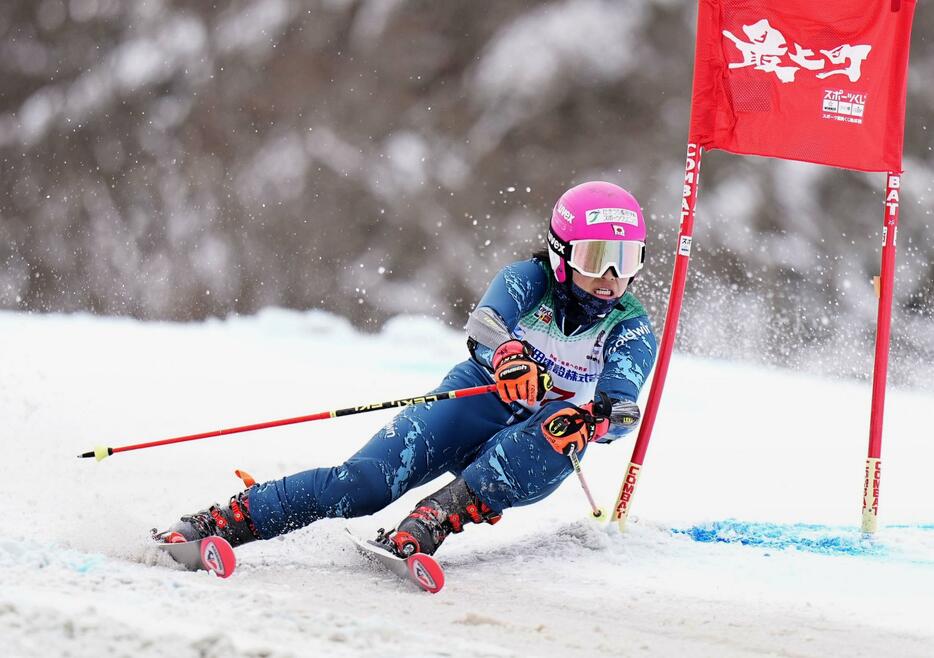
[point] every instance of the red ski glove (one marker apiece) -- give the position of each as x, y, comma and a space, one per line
574, 427
518, 376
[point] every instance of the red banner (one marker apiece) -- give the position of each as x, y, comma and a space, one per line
819, 81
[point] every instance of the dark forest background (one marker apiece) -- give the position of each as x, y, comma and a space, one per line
170, 159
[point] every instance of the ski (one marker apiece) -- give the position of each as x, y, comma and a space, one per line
419, 569
212, 554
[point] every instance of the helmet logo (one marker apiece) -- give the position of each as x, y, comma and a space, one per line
619, 230
615, 215
564, 212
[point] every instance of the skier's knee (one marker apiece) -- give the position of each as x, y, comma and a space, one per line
366, 486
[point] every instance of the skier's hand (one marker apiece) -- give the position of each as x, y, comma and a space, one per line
518, 376
573, 428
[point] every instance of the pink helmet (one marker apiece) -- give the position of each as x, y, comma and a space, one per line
596, 226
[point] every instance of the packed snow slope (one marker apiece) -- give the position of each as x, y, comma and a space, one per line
745, 540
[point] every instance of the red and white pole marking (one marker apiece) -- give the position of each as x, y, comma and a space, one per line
675, 299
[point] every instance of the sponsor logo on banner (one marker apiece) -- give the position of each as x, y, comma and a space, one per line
766, 49
615, 215
841, 105
564, 212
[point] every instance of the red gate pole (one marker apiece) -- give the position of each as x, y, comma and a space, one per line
676, 296
880, 369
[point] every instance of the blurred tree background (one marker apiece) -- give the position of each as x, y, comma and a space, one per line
177, 159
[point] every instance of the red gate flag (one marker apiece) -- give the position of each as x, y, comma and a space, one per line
818, 81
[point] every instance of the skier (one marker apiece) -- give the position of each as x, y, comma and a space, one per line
568, 347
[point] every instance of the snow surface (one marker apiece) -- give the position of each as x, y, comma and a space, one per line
745, 543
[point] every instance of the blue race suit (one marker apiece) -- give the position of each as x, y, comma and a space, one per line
497, 448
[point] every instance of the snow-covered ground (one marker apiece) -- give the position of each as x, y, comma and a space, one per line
745, 540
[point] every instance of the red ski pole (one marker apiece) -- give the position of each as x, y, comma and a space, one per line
102, 452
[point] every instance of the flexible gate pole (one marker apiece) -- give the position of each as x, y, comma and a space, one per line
880, 369
685, 236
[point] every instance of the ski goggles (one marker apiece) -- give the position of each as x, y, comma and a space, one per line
594, 257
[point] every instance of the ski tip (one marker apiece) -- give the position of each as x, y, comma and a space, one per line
426, 572
218, 557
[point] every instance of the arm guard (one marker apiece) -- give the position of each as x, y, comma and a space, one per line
485, 329
624, 415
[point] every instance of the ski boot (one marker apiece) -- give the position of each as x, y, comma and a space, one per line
231, 522
434, 518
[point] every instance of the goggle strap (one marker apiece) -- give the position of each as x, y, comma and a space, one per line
559, 246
